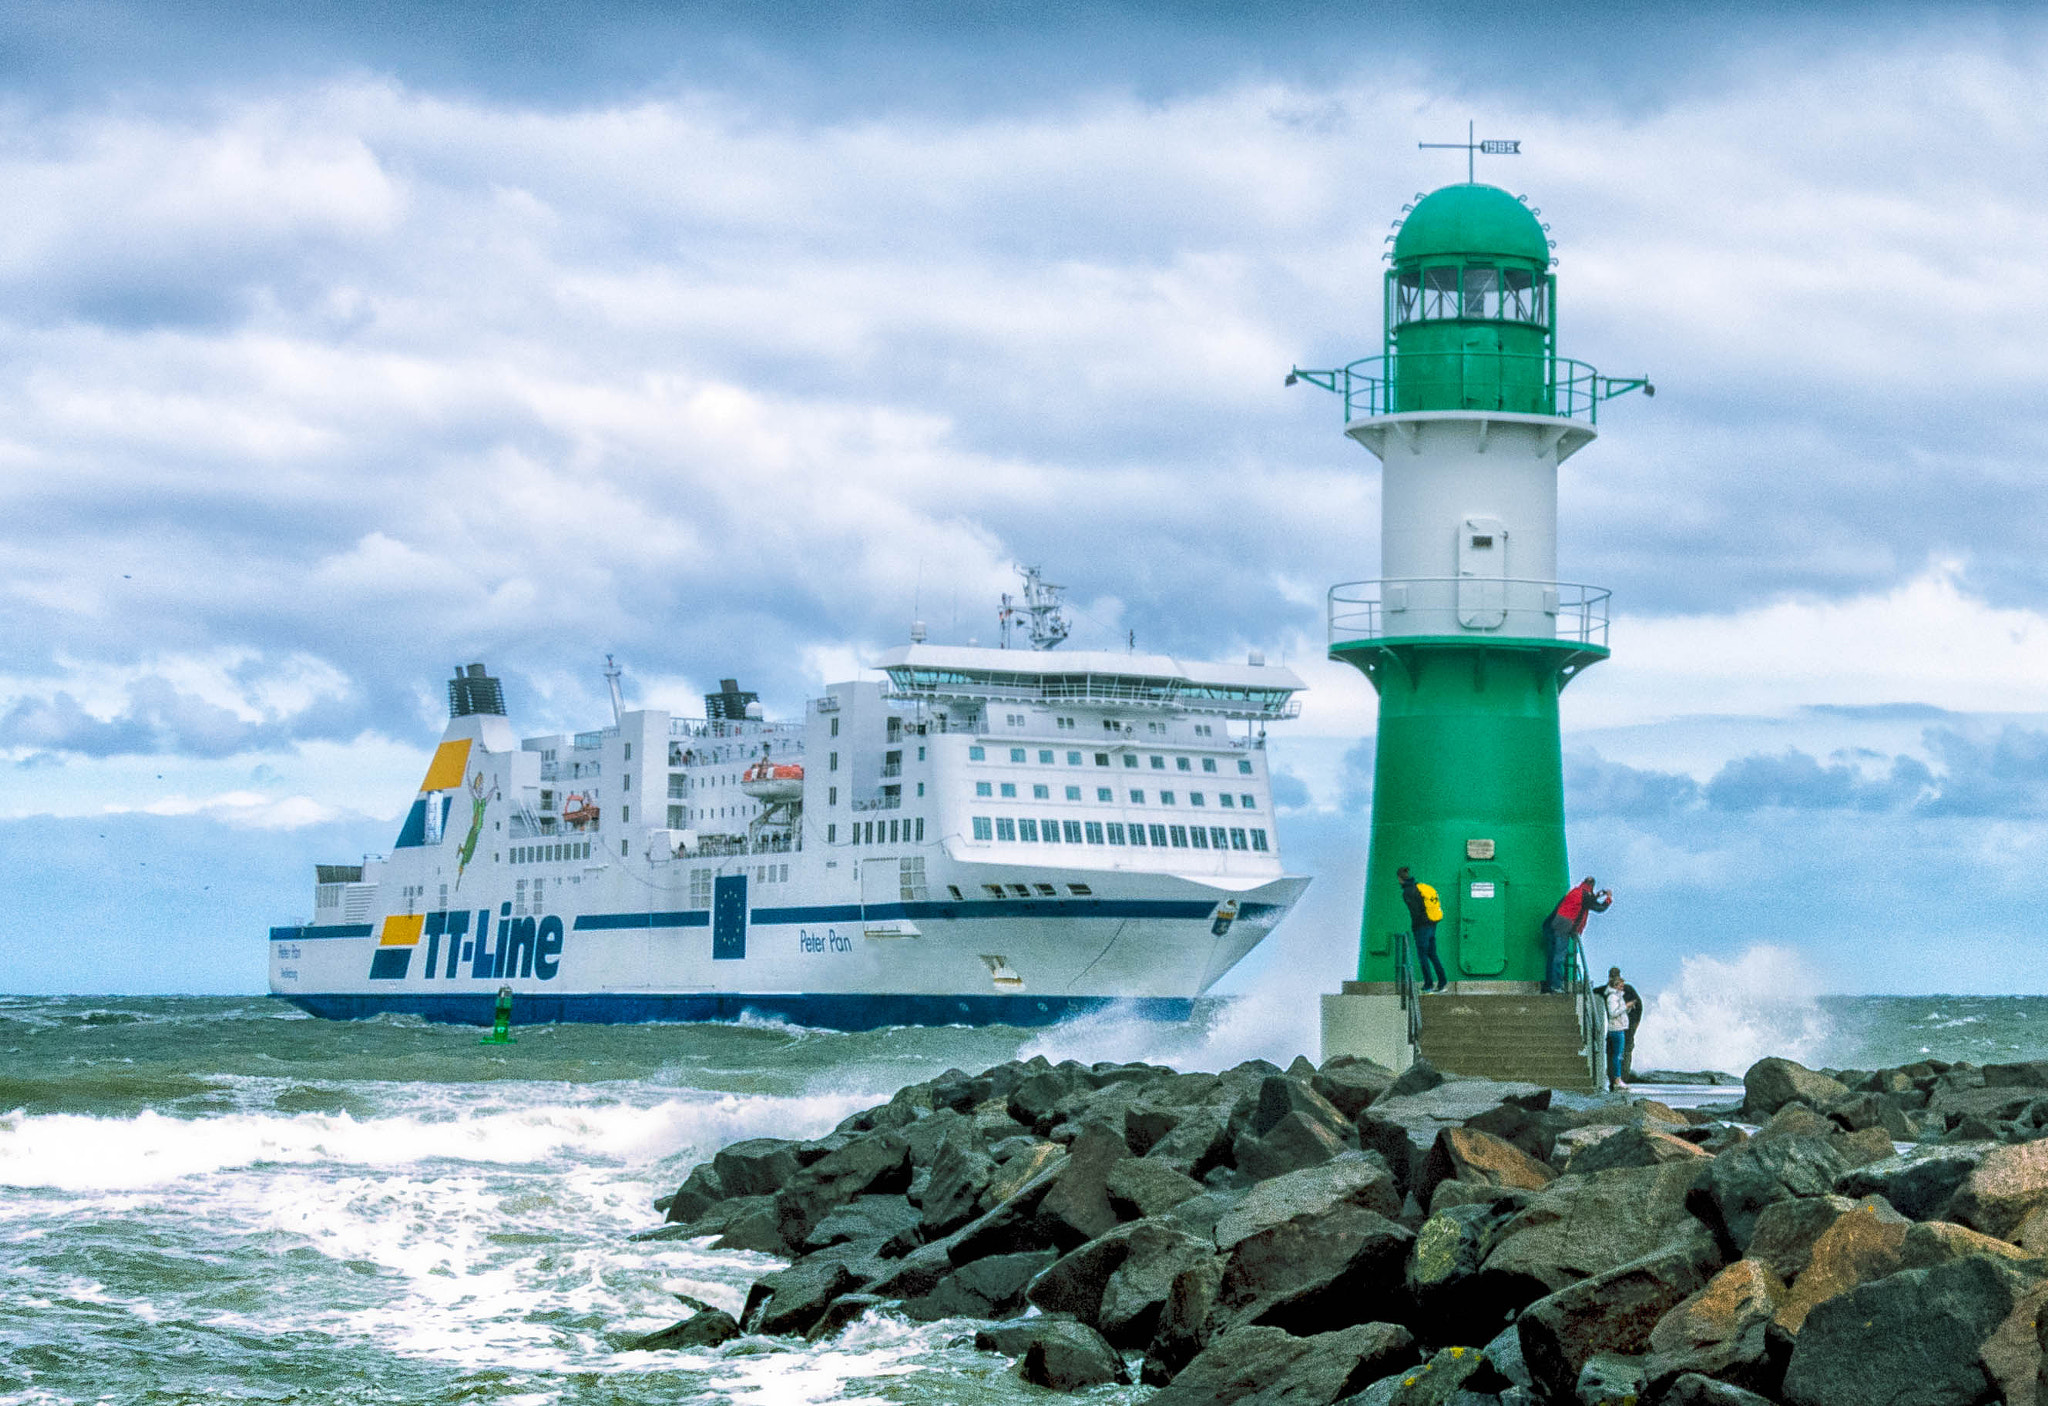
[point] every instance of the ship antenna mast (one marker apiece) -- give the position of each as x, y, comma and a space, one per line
1040, 613
612, 674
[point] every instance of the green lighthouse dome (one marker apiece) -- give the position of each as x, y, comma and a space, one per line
1471, 220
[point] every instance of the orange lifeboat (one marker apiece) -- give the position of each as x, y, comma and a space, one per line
773, 781
578, 811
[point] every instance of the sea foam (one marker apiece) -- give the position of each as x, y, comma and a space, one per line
1728, 1014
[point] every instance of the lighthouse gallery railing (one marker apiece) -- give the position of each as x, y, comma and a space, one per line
1359, 610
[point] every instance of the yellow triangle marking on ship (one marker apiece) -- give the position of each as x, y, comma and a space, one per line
402, 930
444, 773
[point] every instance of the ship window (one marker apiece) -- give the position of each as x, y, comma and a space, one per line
1079, 890
992, 890
893, 833
832, 759
1009, 790
1130, 759
982, 829
1159, 764
835, 727
1073, 829
1166, 798
1182, 764
1073, 759
1073, 793
1216, 838
974, 754
1019, 891
1237, 839
1116, 833
1200, 836
953, 889
1046, 891
1159, 837
1195, 798
1016, 754
1006, 828
1244, 768
1045, 756
1104, 794
1209, 765
1137, 798
1137, 834
1041, 793
1027, 829
984, 788
1094, 830
831, 795
920, 828
831, 834
629, 751
1050, 832
1102, 759
1226, 800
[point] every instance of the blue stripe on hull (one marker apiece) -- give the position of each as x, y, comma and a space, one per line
848, 1011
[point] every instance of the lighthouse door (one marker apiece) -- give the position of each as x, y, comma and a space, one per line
1482, 920
1482, 573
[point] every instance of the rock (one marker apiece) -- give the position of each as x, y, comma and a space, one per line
2033, 1074
960, 1178
876, 1163
1915, 1338
1692, 1389
1609, 1379
1506, 1200
1419, 1077
1864, 1146
1995, 1105
1184, 1321
1032, 1102
1139, 1187
1018, 1162
1504, 1354
1929, 1243
1013, 1225
1611, 1312
759, 1166
1281, 1095
1442, 1275
1535, 1132
1076, 1283
1199, 1141
1453, 1374
1572, 1141
1723, 1332
896, 1113
1070, 1357
2001, 1189
1076, 1209
1391, 1141
1346, 1267
1198, 1214
1356, 1179
1136, 1293
700, 1191
701, 1330
1919, 1182
791, 1301
1581, 1226
1266, 1367
1351, 1084
757, 1227
863, 1218
1297, 1141
918, 1272
1469, 1155
1786, 1232
1770, 1084
1736, 1186
842, 1313
1450, 1104
1795, 1119
1869, 1110
1860, 1246
992, 1287
1636, 1147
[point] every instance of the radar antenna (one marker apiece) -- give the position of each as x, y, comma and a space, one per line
1039, 614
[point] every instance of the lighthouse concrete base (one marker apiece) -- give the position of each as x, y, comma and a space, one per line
1367, 1023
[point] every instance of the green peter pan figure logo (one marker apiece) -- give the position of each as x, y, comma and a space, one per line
477, 801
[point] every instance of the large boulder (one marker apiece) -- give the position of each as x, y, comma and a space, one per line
1736, 1186
1078, 1284
1281, 1096
873, 1164
1772, 1083
1135, 1295
1636, 1147
1442, 1276
1070, 1357
792, 1300
1453, 1374
875, 1218
1298, 1140
758, 1166
1915, 1338
1267, 1367
1611, 1312
1862, 1245
1076, 1209
961, 1172
1327, 1295
1012, 1224
841, 1313
985, 1288
1997, 1194
1139, 1187
1184, 1321
1468, 1155
701, 1330
700, 1191
1534, 1130
1918, 1182
1871, 1110
1692, 1389
1581, 1226
1198, 1142
1351, 1084
1786, 1232
1354, 1179
1723, 1331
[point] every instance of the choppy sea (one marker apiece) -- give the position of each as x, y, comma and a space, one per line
225, 1200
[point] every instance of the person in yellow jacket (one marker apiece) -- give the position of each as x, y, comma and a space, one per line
1425, 911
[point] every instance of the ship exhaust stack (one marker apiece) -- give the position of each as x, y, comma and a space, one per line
1468, 637
473, 691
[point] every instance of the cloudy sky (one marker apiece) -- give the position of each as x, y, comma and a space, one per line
343, 343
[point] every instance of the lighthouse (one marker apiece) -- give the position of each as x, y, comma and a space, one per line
1469, 638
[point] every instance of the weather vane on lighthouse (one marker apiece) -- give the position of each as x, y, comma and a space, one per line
1492, 146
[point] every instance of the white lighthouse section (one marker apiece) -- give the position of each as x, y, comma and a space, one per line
1468, 526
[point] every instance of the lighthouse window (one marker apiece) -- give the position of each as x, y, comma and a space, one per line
1027, 829
1440, 291
1407, 296
1259, 841
1521, 295
1482, 291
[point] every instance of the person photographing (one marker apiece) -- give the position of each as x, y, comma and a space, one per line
1425, 911
1567, 921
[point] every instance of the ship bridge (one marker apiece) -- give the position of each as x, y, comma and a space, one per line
1250, 691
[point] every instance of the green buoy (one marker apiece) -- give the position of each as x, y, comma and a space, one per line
501, 1020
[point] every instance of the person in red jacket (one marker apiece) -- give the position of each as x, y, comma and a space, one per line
1566, 921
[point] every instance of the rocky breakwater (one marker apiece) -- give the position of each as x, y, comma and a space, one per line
1316, 1235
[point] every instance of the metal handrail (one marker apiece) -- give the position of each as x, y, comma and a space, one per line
1357, 609
1582, 993
1454, 380
1404, 983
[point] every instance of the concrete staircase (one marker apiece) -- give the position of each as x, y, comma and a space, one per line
1528, 1037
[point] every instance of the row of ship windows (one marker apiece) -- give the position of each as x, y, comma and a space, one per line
544, 854
1108, 725
879, 832
1106, 796
1046, 757
1024, 891
1095, 832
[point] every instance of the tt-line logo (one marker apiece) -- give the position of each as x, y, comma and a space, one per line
524, 947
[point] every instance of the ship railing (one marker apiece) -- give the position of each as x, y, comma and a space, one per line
1089, 687
880, 803
892, 769
1371, 610
737, 730
1515, 383
587, 740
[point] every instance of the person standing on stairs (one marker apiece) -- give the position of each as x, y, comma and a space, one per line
1566, 921
1615, 995
1634, 1001
1425, 911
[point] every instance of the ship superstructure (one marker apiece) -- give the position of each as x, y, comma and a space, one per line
982, 835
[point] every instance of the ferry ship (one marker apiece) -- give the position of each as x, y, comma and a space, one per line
985, 835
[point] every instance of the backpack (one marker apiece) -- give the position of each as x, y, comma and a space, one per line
1432, 907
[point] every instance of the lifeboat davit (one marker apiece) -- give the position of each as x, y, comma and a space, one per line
773, 781
578, 811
